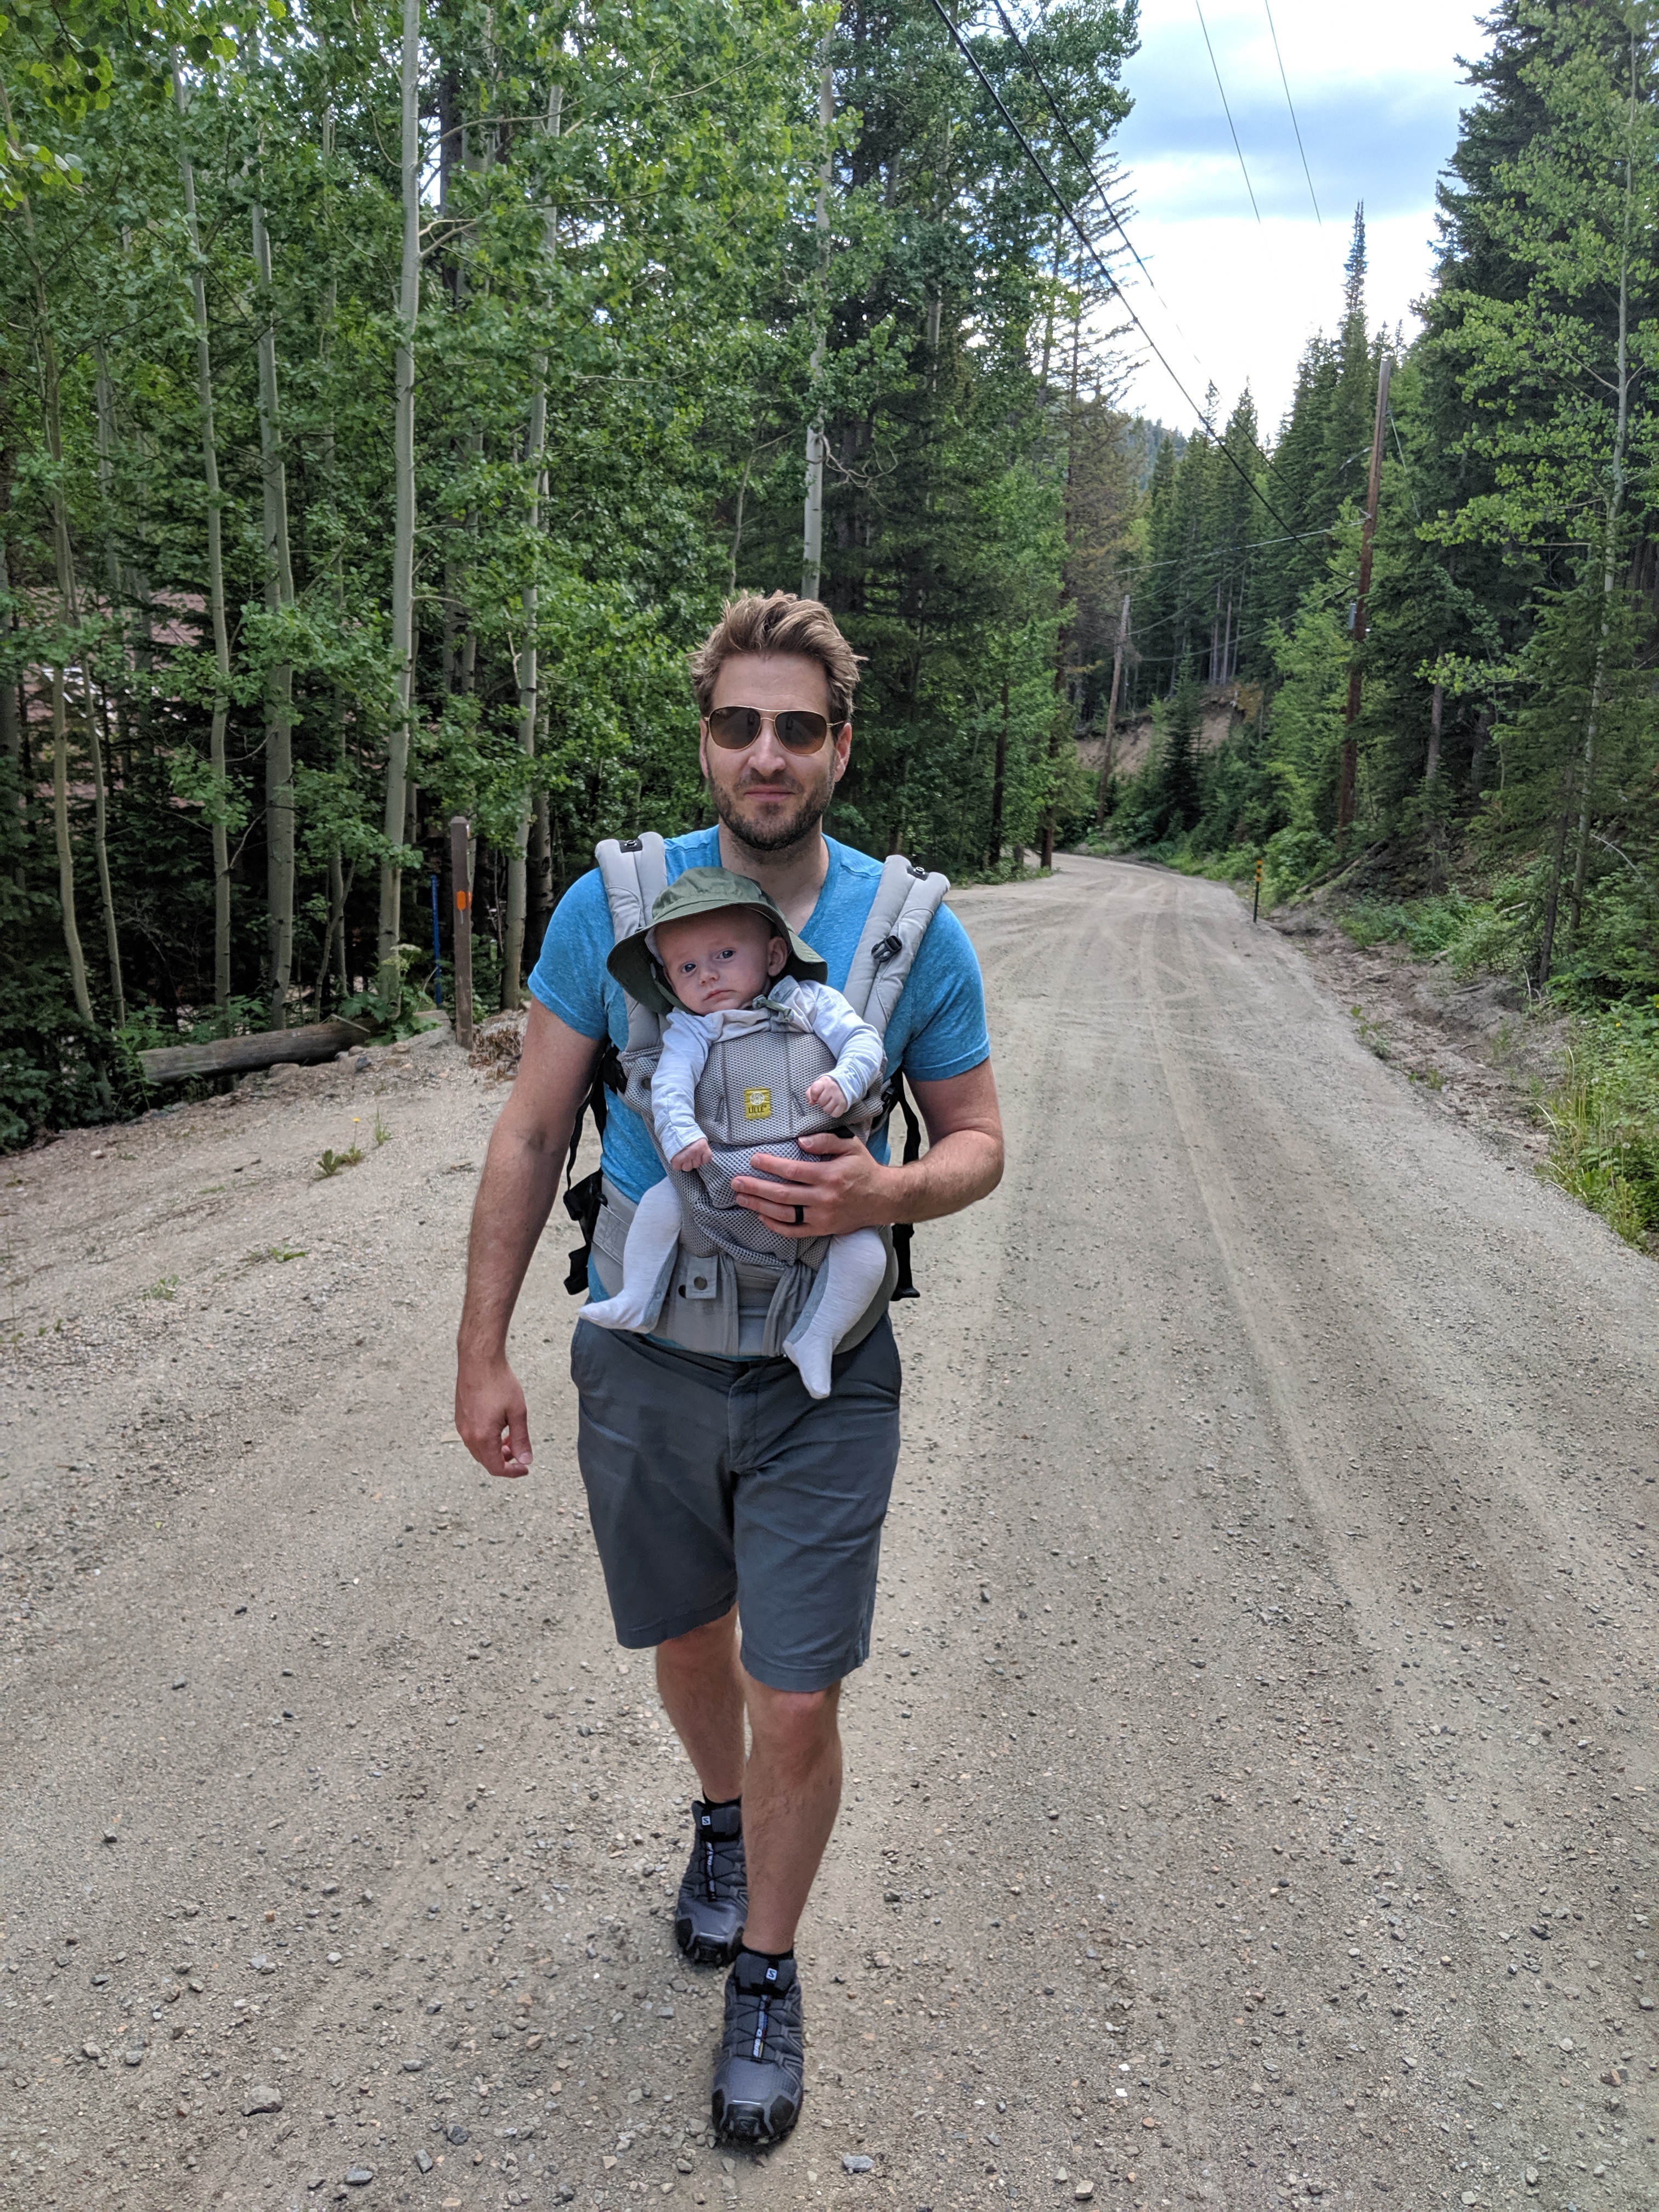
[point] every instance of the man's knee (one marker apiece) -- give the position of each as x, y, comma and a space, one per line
792, 1724
698, 1647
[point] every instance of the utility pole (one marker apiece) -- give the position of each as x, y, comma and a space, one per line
812, 565
1350, 744
1111, 716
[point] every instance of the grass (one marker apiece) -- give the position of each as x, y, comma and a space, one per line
331, 1161
166, 1290
1371, 1033
1603, 1120
276, 1252
1472, 936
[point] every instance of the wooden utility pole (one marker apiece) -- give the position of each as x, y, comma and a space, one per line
460, 876
1111, 716
1345, 796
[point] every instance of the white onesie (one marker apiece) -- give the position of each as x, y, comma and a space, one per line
854, 1263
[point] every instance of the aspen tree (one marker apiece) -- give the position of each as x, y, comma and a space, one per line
535, 458
216, 575
403, 556
279, 600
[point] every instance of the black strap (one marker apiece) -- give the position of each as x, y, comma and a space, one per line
582, 1200
896, 1096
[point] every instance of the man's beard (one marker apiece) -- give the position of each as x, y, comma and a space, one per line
778, 835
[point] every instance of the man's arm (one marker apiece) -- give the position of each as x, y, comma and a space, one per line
516, 1192
842, 1187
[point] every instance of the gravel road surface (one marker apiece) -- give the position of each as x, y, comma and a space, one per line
1251, 1793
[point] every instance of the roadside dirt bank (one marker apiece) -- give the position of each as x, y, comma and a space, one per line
1251, 1793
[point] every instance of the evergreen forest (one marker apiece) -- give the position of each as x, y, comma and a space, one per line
390, 396
1467, 752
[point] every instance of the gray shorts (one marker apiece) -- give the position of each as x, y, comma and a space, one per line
715, 1481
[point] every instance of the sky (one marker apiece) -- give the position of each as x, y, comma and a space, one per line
1377, 92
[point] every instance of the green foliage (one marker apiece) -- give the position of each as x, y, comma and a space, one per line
1433, 928
1603, 1119
621, 249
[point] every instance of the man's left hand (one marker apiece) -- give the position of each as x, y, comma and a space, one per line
841, 1187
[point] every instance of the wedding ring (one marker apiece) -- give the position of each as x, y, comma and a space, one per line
801, 1217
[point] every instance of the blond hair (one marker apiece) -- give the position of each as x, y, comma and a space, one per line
778, 622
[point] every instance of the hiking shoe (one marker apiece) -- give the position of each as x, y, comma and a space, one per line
760, 2080
714, 1898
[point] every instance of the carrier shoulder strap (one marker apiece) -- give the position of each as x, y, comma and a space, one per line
907, 899
634, 873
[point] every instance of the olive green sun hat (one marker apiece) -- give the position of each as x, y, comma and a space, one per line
703, 890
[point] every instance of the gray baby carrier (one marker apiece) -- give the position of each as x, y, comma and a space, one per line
750, 1095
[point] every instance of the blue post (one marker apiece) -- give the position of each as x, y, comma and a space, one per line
437, 951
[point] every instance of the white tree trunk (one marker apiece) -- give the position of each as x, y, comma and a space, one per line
403, 550
811, 569
279, 689
216, 581
529, 663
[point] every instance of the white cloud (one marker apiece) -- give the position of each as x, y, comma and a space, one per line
1377, 94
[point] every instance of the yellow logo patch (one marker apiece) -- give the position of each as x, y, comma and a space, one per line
758, 1105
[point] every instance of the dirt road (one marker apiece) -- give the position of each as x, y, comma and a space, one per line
1251, 1792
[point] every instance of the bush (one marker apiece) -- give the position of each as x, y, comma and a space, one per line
1448, 926
1296, 856
1604, 1122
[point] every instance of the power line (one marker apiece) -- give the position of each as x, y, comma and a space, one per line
1111, 213
1248, 545
1290, 104
1227, 112
1024, 55
1090, 249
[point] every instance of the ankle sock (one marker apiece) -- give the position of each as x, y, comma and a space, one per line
770, 1957
720, 1804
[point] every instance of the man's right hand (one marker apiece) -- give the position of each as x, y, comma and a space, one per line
492, 1417
516, 1192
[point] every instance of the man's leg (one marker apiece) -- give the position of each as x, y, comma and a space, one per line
701, 1687
790, 1800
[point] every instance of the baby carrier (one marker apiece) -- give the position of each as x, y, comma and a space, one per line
750, 1094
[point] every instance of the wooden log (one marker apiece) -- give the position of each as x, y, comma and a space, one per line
169, 1063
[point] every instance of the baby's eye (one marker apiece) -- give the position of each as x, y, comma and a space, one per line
688, 967
726, 952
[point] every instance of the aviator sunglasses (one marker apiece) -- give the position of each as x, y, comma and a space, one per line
797, 730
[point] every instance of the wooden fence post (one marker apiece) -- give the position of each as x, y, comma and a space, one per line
461, 870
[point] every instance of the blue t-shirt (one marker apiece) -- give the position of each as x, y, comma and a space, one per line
937, 1029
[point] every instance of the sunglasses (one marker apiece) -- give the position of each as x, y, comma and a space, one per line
796, 730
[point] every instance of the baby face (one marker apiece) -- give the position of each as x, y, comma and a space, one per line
714, 962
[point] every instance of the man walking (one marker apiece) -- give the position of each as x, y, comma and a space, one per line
717, 1487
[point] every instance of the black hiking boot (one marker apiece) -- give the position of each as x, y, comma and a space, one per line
760, 2079
714, 1898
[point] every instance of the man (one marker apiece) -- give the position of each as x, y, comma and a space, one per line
719, 1487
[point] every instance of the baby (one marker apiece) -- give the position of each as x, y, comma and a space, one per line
725, 966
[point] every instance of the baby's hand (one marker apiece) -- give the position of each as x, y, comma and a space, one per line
694, 1156
826, 1094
